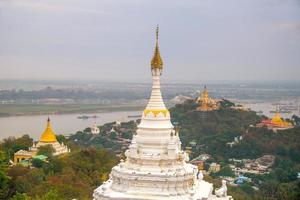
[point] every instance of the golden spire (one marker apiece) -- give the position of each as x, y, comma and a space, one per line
48, 135
156, 62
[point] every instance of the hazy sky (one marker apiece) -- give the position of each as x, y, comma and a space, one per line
200, 40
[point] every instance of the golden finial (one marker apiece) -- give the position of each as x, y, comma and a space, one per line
156, 62
157, 30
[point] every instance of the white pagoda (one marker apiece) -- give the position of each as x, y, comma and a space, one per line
94, 129
156, 167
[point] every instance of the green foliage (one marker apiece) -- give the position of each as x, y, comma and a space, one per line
37, 163
225, 171
27, 182
247, 188
127, 135
46, 150
87, 130
51, 195
275, 190
113, 136
11, 145
4, 180
19, 196
53, 166
296, 120
226, 103
61, 138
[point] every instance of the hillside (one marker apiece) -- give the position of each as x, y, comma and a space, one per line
209, 133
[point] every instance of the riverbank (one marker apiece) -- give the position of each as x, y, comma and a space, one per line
9, 110
64, 124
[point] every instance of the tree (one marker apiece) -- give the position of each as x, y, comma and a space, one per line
4, 180
46, 150
287, 191
19, 196
61, 138
268, 190
226, 103
113, 135
296, 120
27, 182
54, 165
87, 130
51, 195
225, 171
37, 163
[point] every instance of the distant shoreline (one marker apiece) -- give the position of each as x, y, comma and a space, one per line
13, 110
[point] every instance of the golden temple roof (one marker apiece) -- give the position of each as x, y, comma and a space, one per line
156, 62
279, 122
277, 118
48, 135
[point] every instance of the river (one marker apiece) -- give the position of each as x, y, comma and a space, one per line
67, 124
64, 124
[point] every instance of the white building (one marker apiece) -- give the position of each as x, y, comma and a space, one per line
156, 167
94, 129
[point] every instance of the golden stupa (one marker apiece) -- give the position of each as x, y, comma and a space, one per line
277, 120
156, 62
206, 103
48, 135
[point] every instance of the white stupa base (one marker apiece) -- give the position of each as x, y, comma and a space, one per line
201, 191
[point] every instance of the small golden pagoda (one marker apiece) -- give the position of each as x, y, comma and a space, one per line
206, 103
48, 135
48, 138
276, 123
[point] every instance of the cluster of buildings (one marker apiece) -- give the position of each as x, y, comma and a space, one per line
117, 130
260, 165
48, 137
276, 123
202, 160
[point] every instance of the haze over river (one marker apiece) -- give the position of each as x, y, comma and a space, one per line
64, 124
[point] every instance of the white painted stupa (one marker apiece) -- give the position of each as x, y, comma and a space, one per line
156, 167
94, 129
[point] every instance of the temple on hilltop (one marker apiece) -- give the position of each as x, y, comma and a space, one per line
95, 129
276, 123
206, 103
155, 167
48, 138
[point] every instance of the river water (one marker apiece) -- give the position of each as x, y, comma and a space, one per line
64, 124
67, 124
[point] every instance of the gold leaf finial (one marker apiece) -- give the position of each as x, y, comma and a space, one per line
156, 62
157, 31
